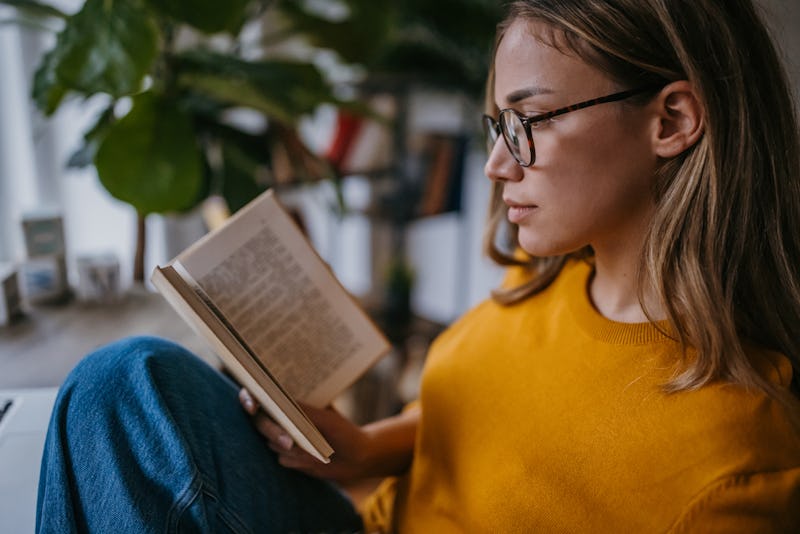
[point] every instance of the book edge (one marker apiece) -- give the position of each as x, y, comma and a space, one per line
321, 449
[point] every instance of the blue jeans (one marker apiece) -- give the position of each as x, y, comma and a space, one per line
145, 437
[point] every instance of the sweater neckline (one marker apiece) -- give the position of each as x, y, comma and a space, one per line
599, 327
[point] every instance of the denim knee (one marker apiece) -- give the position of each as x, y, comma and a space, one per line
146, 434
114, 368
116, 359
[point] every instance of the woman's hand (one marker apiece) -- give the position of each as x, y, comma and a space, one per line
347, 439
379, 449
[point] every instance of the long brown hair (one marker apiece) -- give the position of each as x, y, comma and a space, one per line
723, 248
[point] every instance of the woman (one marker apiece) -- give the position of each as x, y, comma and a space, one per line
635, 373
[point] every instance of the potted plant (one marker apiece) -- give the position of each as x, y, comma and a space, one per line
172, 71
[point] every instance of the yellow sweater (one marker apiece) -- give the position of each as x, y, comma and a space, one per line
546, 417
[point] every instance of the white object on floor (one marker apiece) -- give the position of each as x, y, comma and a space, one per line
25, 414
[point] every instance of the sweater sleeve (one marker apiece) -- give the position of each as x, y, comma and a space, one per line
759, 502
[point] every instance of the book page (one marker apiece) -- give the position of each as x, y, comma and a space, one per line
262, 275
184, 298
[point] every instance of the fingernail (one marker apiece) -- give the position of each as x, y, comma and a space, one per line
285, 442
246, 400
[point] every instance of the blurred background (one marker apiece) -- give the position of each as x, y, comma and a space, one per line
350, 108
128, 129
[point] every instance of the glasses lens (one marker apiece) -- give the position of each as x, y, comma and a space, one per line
516, 137
492, 131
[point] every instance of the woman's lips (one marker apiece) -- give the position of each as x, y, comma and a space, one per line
517, 212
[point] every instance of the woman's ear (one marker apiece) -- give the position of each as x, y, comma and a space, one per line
681, 119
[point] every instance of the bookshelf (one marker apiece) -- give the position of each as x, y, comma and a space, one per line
413, 166
409, 171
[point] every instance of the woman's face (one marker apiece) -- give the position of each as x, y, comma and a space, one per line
591, 181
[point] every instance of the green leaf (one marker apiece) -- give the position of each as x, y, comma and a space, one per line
210, 16
239, 175
447, 42
150, 158
243, 170
107, 47
359, 38
84, 156
48, 91
281, 89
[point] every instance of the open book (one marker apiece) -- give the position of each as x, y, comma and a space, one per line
275, 314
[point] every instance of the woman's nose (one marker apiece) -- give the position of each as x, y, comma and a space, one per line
501, 165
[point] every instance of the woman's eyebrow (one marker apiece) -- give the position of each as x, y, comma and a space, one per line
522, 94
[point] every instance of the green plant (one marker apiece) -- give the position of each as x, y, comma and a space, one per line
445, 43
178, 68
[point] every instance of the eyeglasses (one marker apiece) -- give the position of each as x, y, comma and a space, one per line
516, 128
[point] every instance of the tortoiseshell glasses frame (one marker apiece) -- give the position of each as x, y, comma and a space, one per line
511, 124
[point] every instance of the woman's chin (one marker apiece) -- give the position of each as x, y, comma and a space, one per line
535, 244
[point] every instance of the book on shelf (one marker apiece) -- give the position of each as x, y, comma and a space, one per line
363, 145
443, 169
284, 327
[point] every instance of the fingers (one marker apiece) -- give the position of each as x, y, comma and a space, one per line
282, 444
264, 424
296, 458
247, 401
273, 432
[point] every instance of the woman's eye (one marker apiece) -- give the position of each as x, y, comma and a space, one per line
538, 125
